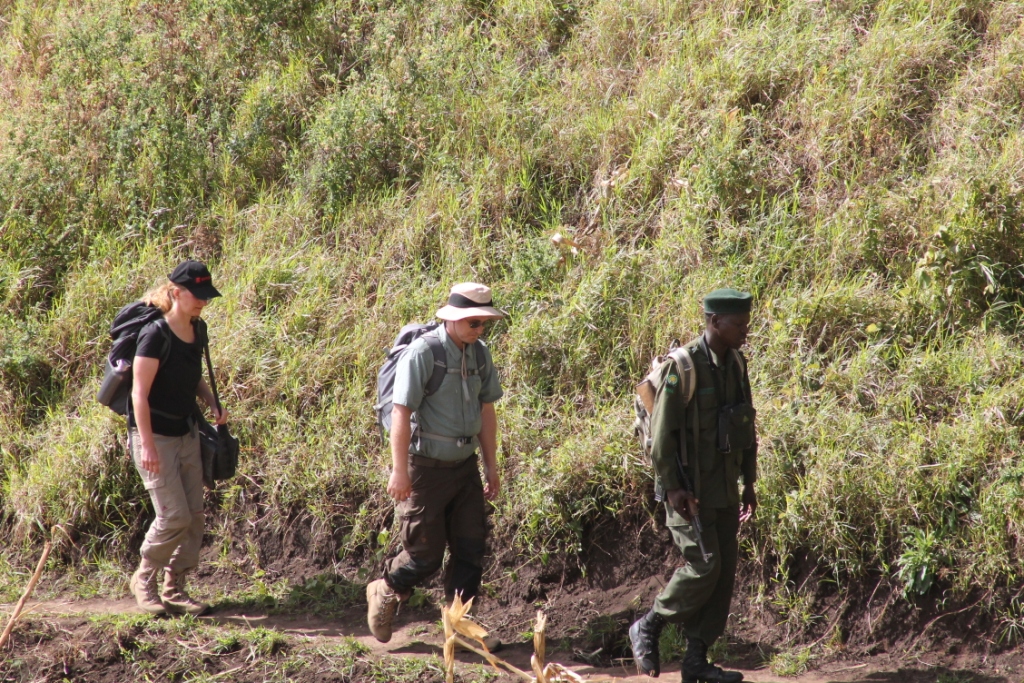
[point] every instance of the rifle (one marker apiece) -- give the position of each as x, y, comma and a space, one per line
659, 495
698, 528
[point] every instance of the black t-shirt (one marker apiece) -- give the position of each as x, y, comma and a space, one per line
174, 387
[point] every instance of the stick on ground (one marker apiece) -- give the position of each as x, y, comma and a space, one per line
24, 598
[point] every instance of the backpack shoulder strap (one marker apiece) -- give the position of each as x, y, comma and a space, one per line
165, 332
440, 363
687, 371
481, 356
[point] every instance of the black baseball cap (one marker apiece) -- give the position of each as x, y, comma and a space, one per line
196, 278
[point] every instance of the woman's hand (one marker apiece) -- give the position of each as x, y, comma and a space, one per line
150, 460
220, 416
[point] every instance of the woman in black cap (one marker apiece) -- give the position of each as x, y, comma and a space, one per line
167, 377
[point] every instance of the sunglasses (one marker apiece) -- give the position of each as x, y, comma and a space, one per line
474, 324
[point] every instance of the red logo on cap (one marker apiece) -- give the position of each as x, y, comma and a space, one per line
200, 278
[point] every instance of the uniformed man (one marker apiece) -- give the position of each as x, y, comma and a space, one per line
435, 478
714, 434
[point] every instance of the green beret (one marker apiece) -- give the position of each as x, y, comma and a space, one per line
725, 301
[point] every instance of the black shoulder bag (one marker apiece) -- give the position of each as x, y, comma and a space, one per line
219, 448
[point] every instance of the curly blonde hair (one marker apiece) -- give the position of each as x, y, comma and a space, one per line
160, 296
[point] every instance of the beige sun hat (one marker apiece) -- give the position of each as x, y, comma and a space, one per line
470, 300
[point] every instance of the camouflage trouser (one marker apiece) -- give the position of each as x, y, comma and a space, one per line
445, 509
175, 536
699, 592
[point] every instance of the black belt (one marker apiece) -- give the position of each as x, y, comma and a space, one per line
421, 461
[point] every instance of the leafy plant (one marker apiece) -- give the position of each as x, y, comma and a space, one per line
920, 561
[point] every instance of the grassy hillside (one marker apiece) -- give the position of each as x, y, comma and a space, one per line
859, 166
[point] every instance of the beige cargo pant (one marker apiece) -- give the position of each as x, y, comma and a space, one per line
176, 535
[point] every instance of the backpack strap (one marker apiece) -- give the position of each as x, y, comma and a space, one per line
688, 371
165, 352
441, 369
440, 363
165, 329
457, 440
684, 363
478, 353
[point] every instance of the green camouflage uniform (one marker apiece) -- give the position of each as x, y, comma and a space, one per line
699, 592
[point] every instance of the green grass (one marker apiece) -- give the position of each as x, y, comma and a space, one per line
791, 663
141, 647
340, 164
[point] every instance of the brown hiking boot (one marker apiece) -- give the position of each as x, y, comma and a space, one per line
381, 604
176, 600
143, 587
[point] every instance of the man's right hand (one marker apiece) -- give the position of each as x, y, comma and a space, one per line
684, 502
399, 485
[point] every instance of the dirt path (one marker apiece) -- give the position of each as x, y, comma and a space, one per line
417, 634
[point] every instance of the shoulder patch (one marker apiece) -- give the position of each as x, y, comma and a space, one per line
672, 380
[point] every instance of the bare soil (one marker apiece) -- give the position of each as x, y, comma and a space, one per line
68, 648
866, 633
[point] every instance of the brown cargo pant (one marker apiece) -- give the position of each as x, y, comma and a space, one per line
446, 508
176, 535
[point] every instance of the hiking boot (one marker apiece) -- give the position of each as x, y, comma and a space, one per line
174, 597
643, 638
381, 604
143, 587
697, 669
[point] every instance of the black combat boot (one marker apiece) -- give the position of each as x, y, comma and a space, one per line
697, 669
643, 638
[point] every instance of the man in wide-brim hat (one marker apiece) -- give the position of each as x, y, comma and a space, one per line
435, 478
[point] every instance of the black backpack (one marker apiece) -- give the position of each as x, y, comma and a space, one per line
116, 390
386, 375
